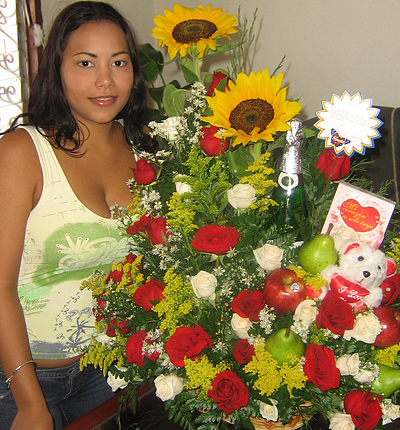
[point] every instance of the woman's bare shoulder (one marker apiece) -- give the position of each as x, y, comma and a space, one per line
17, 143
19, 162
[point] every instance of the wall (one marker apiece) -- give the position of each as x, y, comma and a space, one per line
330, 46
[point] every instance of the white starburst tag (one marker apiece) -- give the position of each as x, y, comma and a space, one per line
348, 124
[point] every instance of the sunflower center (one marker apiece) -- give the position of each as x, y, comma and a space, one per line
251, 113
192, 30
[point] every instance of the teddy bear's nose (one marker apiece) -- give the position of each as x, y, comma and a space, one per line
366, 274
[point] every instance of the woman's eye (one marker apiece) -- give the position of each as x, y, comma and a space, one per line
85, 63
119, 63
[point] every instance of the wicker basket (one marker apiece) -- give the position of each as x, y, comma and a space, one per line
261, 424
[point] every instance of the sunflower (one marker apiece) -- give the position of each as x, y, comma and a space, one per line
183, 27
254, 108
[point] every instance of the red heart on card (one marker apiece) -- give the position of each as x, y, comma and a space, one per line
359, 218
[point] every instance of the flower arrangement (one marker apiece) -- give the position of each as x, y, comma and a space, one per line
188, 307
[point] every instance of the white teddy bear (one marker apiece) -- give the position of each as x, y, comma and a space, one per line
358, 275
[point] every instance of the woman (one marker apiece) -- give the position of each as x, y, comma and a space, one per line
59, 176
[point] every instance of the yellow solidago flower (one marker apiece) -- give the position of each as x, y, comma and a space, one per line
395, 252
96, 283
387, 355
260, 182
176, 302
316, 282
200, 374
183, 27
293, 375
265, 367
253, 109
181, 215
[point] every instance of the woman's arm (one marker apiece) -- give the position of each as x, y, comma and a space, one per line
20, 185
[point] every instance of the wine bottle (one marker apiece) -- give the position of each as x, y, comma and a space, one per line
289, 193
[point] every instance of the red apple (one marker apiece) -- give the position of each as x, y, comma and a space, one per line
389, 317
284, 290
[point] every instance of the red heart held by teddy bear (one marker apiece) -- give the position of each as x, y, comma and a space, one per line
360, 218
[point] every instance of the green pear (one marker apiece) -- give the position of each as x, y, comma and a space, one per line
284, 342
317, 254
387, 382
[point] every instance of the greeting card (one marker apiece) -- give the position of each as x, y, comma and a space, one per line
365, 212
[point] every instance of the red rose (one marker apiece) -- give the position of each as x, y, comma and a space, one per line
144, 174
248, 304
215, 239
98, 310
115, 275
211, 144
157, 230
151, 291
320, 367
364, 409
187, 342
130, 258
334, 166
153, 228
243, 351
134, 349
122, 327
335, 314
217, 78
229, 392
139, 226
391, 289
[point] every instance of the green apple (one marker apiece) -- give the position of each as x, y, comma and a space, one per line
387, 382
284, 342
317, 254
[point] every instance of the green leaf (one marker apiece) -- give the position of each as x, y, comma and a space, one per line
151, 61
239, 160
174, 100
156, 93
187, 70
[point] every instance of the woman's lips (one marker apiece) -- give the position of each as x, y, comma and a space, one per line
103, 101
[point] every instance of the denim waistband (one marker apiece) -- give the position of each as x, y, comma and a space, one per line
55, 371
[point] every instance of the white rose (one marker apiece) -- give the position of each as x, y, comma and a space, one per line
343, 234
240, 326
366, 328
390, 411
204, 285
306, 312
169, 127
241, 196
348, 364
341, 421
116, 382
104, 339
269, 256
366, 376
269, 412
182, 187
168, 386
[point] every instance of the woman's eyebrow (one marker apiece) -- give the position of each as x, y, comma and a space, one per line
90, 54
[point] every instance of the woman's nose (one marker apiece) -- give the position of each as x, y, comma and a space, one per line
104, 78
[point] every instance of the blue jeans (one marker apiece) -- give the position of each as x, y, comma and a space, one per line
69, 394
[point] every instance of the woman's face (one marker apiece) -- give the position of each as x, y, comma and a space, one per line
97, 72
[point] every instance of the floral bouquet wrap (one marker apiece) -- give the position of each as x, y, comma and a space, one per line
189, 308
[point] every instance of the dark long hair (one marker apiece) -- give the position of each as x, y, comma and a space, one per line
48, 107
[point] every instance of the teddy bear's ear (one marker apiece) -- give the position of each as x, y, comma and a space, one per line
391, 267
352, 246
